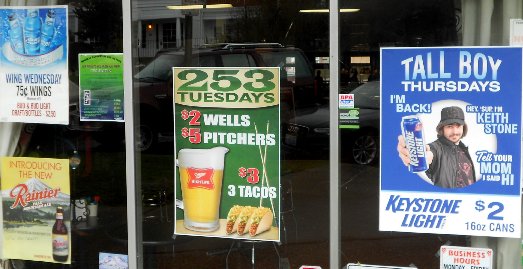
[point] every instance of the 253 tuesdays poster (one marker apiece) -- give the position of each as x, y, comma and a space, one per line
227, 150
460, 110
32, 191
33, 65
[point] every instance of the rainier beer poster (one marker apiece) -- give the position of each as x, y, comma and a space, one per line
32, 190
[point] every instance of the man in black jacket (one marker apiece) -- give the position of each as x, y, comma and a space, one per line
450, 164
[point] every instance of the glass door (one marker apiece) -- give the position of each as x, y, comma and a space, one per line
233, 94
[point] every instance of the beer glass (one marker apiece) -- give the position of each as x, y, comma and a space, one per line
201, 175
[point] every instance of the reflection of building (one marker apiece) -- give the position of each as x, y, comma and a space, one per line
159, 27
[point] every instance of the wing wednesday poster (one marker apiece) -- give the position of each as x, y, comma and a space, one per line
34, 65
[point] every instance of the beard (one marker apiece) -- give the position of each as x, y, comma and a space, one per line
454, 138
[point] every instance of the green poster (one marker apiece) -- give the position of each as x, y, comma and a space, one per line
349, 118
227, 151
101, 87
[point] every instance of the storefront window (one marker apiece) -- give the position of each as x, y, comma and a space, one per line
425, 23
363, 42
221, 154
74, 160
271, 172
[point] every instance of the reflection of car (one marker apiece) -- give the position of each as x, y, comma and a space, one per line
309, 133
154, 81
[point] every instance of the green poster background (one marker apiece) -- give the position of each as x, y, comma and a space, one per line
101, 87
239, 156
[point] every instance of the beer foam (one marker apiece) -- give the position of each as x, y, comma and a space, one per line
202, 158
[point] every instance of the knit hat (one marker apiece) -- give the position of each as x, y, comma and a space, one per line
451, 115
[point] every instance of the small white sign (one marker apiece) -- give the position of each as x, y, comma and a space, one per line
465, 258
516, 32
346, 100
113, 261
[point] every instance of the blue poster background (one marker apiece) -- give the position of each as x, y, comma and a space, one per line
487, 84
59, 34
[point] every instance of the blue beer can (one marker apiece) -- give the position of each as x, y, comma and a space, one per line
412, 130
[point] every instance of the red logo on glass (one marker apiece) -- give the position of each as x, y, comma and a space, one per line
200, 178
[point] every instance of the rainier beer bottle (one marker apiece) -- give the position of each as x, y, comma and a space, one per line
60, 237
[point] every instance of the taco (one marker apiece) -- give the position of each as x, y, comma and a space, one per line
233, 215
260, 221
244, 216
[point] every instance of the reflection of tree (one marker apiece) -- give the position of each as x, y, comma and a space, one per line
312, 31
267, 22
100, 24
430, 22
389, 23
281, 22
